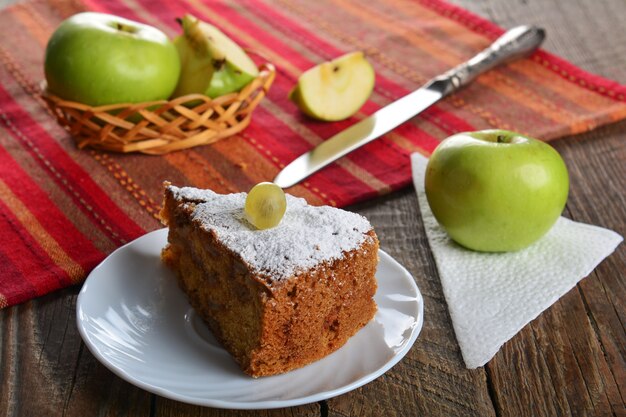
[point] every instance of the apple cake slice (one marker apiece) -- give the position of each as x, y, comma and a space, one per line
276, 299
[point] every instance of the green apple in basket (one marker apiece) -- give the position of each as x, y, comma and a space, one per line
336, 89
98, 59
496, 190
212, 63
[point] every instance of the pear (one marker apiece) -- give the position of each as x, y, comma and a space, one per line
212, 63
233, 67
196, 59
336, 89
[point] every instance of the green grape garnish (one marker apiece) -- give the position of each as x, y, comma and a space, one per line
265, 205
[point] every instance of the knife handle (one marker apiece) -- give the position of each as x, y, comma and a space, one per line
515, 43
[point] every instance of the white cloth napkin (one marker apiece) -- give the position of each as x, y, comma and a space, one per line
493, 296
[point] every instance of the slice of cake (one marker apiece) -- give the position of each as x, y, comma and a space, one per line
280, 298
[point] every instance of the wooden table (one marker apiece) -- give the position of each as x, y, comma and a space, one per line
570, 360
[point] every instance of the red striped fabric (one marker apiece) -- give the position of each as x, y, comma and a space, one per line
62, 210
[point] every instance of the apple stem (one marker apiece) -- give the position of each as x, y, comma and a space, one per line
179, 21
501, 139
124, 28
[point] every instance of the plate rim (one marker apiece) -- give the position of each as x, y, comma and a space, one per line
254, 405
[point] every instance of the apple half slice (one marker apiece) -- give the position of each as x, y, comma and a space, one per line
336, 89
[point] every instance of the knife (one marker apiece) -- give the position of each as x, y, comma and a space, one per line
515, 43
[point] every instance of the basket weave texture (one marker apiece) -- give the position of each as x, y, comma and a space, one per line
159, 127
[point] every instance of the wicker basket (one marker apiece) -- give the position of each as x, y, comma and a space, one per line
160, 127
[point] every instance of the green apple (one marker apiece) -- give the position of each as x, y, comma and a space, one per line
496, 190
336, 89
212, 63
98, 59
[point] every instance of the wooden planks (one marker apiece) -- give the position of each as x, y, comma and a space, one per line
572, 359
433, 369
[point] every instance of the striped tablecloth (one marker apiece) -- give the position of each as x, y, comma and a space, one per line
62, 210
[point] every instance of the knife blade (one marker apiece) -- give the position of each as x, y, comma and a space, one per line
515, 43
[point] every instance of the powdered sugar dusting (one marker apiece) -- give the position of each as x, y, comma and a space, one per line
306, 236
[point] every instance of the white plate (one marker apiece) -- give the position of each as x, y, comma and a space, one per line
136, 321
